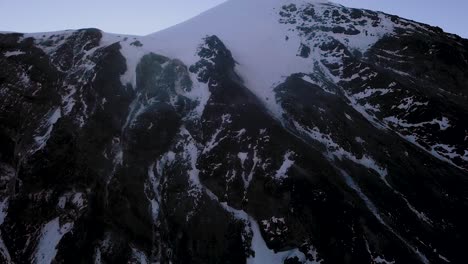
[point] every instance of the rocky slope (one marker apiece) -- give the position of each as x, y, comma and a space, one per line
281, 131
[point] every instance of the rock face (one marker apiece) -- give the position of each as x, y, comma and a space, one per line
194, 145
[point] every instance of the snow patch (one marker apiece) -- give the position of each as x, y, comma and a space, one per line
370, 92
409, 102
247, 179
51, 235
3, 210
288, 162
13, 53
359, 140
380, 260
3, 213
78, 200
444, 258
242, 157
139, 256
191, 154
41, 141
336, 151
131, 53
443, 123
97, 256
263, 254
214, 141
62, 202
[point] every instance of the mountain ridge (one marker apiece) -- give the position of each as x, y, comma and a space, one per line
305, 133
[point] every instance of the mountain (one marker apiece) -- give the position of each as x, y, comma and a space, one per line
267, 131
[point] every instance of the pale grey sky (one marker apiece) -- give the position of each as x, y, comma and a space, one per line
141, 17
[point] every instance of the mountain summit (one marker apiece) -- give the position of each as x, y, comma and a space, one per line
279, 131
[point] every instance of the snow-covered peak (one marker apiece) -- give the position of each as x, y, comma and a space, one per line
265, 38
279, 2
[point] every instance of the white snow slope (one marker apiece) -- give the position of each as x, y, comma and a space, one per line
252, 32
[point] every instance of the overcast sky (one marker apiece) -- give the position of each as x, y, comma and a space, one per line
141, 17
